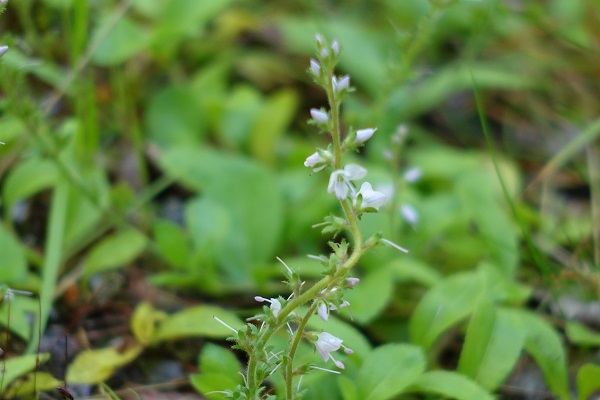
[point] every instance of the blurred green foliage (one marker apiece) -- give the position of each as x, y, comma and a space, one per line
168, 137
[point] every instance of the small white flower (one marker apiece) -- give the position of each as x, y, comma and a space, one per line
409, 214
319, 116
275, 304
3, 50
324, 53
362, 135
339, 181
316, 161
413, 174
341, 84
315, 67
370, 199
326, 344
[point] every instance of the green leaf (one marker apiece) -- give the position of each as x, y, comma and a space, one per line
198, 321
443, 306
27, 178
172, 243
272, 122
95, 366
219, 370
369, 298
588, 381
13, 262
17, 366
388, 370
582, 335
544, 345
492, 346
115, 251
184, 18
450, 385
144, 321
174, 117
247, 192
123, 40
414, 270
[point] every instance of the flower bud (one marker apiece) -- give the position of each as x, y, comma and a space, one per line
342, 84
315, 67
319, 116
362, 135
3, 50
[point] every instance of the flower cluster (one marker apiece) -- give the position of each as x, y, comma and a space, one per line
326, 295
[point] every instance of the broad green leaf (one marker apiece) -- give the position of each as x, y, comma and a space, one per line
17, 366
492, 346
582, 335
249, 194
443, 306
185, 18
115, 251
123, 40
449, 385
172, 243
273, 120
369, 298
174, 117
144, 322
95, 366
27, 178
588, 381
348, 388
241, 110
13, 261
414, 270
43, 381
544, 345
217, 359
198, 321
219, 370
388, 370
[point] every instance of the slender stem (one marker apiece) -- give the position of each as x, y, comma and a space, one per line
293, 348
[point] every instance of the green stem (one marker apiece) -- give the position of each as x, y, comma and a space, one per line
289, 374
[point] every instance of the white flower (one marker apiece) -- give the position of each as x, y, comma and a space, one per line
326, 344
315, 67
3, 50
362, 135
275, 304
316, 161
412, 174
370, 199
339, 180
319, 116
339, 85
409, 214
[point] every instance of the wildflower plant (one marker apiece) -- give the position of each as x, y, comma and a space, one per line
327, 294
